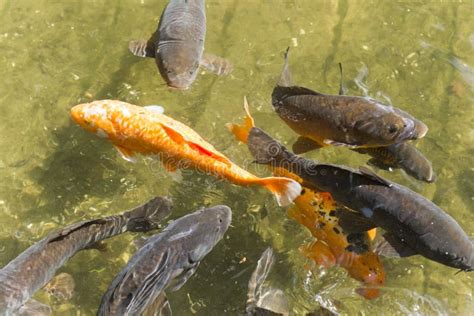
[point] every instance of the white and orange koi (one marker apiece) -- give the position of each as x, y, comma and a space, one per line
133, 129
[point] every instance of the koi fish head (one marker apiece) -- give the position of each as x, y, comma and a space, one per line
210, 226
392, 128
178, 66
94, 117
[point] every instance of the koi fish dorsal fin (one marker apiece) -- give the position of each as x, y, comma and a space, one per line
182, 134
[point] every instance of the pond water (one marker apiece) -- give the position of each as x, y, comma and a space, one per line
56, 54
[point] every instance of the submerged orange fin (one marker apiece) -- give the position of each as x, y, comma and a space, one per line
372, 233
284, 189
178, 138
320, 253
126, 154
241, 132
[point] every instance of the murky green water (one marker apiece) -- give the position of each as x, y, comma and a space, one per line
56, 54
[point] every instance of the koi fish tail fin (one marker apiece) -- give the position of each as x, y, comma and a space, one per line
284, 189
241, 132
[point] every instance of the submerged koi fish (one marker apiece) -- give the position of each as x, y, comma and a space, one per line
133, 129
341, 120
177, 45
320, 214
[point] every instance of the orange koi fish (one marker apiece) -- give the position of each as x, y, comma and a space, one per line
319, 213
133, 129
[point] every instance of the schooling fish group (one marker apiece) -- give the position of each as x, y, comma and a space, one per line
343, 208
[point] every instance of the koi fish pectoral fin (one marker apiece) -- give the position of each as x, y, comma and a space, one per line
392, 247
339, 144
142, 48
353, 222
215, 64
159, 307
304, 144
179, 281
126, 154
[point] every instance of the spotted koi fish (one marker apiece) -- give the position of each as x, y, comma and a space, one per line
133, 129
318, 212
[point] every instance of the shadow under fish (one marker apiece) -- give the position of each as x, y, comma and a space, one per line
36, 266
165, 262
413, 224
178, 44
341, 120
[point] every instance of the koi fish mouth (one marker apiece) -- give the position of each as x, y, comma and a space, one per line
418, 130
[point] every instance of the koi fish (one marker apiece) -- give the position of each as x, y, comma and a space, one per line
133, 129
340, 120
178, 44
36, 266
413, 224
320, 214
166, 261
404, 156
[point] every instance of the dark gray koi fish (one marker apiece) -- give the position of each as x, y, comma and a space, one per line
166, 261
265, 301
404, 156
413, 224
178, 44
340, 120
36, 266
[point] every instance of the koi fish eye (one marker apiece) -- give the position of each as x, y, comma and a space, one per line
392, 129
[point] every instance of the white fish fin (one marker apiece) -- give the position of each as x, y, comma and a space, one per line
180, 280
156, 280
257, 279
155, 108
218, 65
274, 300
159, 307
126, 154
338, 144
142, 48
34, 308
